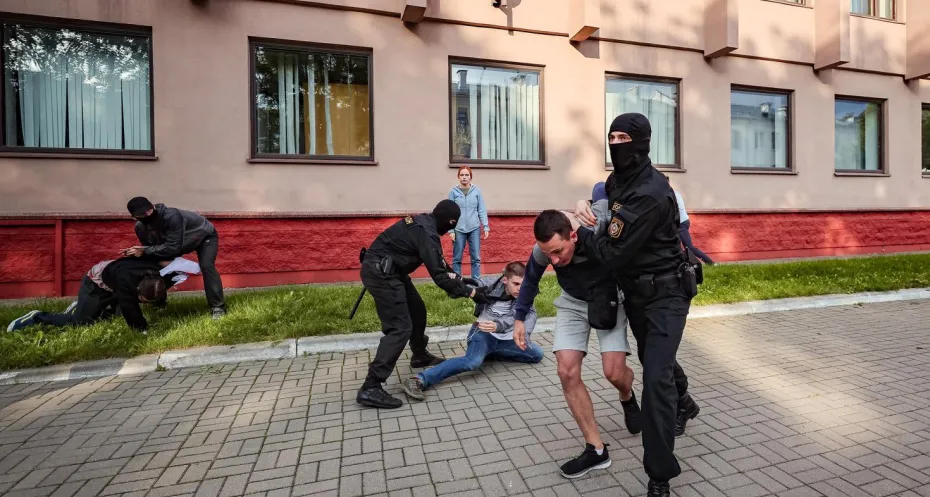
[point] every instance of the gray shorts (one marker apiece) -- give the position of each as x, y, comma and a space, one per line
572, 329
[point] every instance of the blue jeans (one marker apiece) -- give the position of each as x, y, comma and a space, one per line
480, 346
474, 252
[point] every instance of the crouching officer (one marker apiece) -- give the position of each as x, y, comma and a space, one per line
386, 267
642, 249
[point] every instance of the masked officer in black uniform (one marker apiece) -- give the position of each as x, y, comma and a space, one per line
642, 249
386, 266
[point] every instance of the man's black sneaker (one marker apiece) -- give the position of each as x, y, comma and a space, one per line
413, 388
631, 414
424, 359
658, 489
378, 398
687, 410
587, 461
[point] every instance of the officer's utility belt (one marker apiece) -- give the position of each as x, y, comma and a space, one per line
646, 284
384, 263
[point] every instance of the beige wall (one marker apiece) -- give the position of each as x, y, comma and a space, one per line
201, 106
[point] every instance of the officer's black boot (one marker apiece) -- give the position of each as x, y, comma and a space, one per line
421, 358
631, 414
375, 396
687, 410
658, 489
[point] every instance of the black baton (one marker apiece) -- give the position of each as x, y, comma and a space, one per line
357, 302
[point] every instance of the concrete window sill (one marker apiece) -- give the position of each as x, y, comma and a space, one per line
771, 171
80, 156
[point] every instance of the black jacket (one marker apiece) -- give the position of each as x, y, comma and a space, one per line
123, 277
642, 234
413, 241
176, 232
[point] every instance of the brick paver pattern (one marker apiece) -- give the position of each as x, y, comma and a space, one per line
827, 402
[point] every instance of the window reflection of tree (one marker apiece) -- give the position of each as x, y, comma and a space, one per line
66, 88
311, 103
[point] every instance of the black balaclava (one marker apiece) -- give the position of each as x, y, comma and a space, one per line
625, 156
444, 212
138, 206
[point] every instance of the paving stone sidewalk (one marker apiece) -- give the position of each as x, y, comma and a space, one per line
829, 402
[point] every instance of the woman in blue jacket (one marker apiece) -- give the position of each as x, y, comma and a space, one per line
474, 216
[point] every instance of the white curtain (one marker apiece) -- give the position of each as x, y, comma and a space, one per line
293, 108
860, 6
76, 100
288, 98
886, 9
657, 101
503, 113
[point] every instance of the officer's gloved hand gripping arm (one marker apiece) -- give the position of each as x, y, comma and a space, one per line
628, 228
430, 249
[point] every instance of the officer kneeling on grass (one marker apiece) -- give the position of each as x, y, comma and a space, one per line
386, 267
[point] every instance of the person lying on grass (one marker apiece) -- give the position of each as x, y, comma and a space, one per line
115, 286
491, 335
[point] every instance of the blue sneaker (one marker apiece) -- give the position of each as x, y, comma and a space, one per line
22, 322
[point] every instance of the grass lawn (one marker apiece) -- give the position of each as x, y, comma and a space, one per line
299, 311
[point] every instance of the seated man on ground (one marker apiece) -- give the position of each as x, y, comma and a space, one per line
114, 286
491, 335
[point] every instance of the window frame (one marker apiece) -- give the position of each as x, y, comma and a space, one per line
497, 163
789, 134
306, 46
795, 3
93, 27
882, 136
924, 107
622, 76
873, 7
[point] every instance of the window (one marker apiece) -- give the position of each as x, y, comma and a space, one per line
874, 8
763, 116
925, 138
311, 103
858, 128
496, 114
655, 99
69, 90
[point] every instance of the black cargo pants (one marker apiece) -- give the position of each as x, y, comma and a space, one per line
212, 284
658, 323
403, 318
93, 303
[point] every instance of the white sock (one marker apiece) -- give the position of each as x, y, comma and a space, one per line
600, 451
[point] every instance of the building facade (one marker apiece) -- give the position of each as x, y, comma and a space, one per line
301, 128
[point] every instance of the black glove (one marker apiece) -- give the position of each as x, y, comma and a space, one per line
481, 295
471, 281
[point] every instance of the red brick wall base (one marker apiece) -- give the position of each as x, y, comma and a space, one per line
48, 257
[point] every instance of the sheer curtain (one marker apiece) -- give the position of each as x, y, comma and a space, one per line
66, 89
860, 7
495, 113
658, 102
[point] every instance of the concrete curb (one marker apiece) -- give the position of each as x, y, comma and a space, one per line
292, 348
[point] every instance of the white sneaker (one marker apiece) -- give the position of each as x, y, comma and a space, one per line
71, 308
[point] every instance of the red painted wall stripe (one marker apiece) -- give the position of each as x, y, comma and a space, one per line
263, 252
